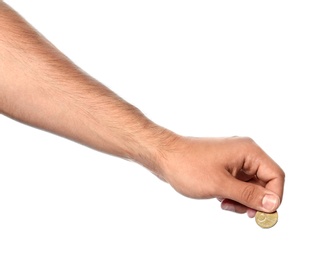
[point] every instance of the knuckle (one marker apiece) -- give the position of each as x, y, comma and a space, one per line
248, 140
243, 138
248, 194
245, 141
282, 175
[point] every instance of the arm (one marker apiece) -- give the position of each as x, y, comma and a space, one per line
41, 87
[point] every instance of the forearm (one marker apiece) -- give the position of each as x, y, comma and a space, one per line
41, 87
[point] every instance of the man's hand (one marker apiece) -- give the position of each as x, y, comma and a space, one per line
234, 170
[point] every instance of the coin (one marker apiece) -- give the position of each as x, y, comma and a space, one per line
266, 220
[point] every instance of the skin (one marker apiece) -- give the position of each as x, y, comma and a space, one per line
41, 87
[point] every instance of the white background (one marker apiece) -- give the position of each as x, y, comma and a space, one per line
200, 68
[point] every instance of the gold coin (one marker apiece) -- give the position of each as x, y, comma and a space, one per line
266, 220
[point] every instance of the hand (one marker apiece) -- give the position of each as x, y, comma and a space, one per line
235, 170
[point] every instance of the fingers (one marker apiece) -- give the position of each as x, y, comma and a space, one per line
263, 190
233, 206
249, 195
268, 172
273, 176
236, 207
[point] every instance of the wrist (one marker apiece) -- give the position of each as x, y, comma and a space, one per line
153, 148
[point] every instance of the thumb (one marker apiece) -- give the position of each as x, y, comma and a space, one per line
251, 195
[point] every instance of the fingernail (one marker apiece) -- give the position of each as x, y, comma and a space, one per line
270, 202
228, 207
